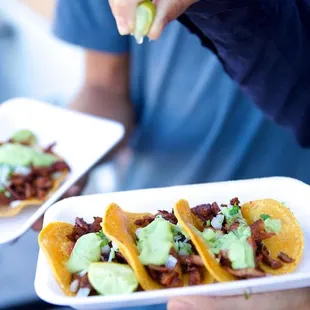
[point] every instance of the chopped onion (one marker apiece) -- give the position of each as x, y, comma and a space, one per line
7, 194
15, 203
83, 292
115, 246
138, 231
74, 286
106, 249
111, 255
171, 262
22, 170
83, 273
217, 222
177, 238
56, 175
5, 171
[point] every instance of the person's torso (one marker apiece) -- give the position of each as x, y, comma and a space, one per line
195, 125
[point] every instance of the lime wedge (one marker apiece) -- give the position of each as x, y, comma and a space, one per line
145, 15
112, 278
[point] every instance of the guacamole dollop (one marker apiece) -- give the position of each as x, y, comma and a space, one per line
234, 243
155, 242
86, 251
22, 155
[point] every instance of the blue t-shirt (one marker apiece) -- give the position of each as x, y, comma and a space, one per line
194, 124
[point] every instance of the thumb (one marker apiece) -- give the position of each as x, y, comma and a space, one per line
166, 11
192, 303
210, 303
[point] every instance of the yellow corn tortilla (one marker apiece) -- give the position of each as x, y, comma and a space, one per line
119, 226
190, 223
57, 247
7, 211
289, 241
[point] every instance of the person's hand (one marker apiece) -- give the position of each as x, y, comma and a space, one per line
124, 12
75, 190
285, 300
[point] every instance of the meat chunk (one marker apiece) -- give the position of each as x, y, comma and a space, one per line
272, 263
194, 276
204, 212
4, 200
224, 260
145, 221
81, 228
215, 208
119, 258
268, 260
285, 258
84, 282
59, 166
246, 273
43, 183
36, 184
95, 226
259, 232
192, 260
168, 216
235, 201
49, 148
165, 276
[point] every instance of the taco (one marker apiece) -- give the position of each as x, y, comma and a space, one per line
241, 242
84, 261
156, 248
28, 173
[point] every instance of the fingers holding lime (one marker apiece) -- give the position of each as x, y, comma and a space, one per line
145, 15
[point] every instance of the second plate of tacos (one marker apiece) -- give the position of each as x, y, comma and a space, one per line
157, 249
246, 241
29, 174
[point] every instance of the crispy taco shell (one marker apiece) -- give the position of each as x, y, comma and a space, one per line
190, 224
119, 226
289, 241
57, 247
7, 211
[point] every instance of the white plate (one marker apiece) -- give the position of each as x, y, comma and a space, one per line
81, 140
294, 193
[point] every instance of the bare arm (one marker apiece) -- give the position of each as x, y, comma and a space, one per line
105, 92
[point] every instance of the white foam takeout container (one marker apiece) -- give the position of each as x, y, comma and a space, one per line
295, 194
81, 140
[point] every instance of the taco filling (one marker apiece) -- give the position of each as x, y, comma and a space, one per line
238, 247
26, 171
96, 265
166, 252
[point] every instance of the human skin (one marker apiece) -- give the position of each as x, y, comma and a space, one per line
282, 300
124, 12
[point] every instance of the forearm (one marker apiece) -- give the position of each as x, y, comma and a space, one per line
264, 46
106, 104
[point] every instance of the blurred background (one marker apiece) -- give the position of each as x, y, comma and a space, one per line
35, 64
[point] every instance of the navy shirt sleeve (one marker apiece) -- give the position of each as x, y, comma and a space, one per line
264, 46
90, 24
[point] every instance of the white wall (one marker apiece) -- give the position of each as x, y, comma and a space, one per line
34, 62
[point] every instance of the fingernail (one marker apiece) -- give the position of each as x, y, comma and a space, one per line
122, 26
